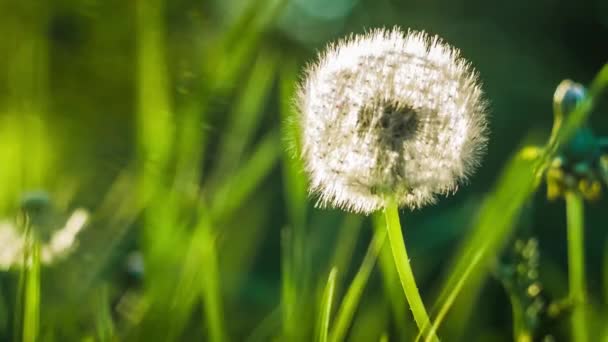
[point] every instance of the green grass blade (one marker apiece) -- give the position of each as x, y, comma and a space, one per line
154, 118
353, 294
297, 283
346, 242
518, 181
212, 298
190, 149
267, 329
225, 62
27, 151
390, 280
103, 320
326, 303
293, 170
19, 306
288, 286
576, 265
31, 312
188, 290
235, 190
245, 118
297, 304
493, 227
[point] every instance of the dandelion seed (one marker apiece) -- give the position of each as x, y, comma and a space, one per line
390, 114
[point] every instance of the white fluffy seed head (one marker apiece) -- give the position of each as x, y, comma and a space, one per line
390, 114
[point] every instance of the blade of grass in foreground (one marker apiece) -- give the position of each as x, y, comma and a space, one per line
234, 191
31, 312
154, 116
288, 285
326, 302
296, 285
188, 289
211, 290
346, 242
293, 169
390, 280
266, 330
103, 316
19, 300
296, 307
576, 265
225, 61
244, 118
495, 222
354, 292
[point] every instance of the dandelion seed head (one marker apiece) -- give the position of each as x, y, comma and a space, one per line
62, 242
390, 114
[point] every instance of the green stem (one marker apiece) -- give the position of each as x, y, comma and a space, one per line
31, 311
353, 294
576, 264
212, 299
402, 263
326, 302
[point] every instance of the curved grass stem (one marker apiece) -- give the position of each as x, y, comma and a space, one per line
402, 263
353, 295
576, 264
326, 303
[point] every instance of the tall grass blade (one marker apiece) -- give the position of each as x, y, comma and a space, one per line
576, 265
355, 291
289, 287
31, 311
293, 170
234, 191
103, 320
326, 303
245, 118
519, 180
392, 286
346, 242
492, 228
212, 298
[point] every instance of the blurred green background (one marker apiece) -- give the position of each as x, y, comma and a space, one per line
165, 119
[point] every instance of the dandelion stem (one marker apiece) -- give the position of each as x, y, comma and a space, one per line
576, 264
402, 262
31, 312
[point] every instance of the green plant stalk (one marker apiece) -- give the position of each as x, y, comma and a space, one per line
402, 262
31, 312
326, 301
18, 313
354, 292
212, 299
449, 301
104, 324
576, 264
392, 285
520, 333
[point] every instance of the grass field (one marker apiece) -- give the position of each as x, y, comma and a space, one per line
159, 139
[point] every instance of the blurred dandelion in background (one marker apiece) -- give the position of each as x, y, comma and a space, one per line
58, 239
